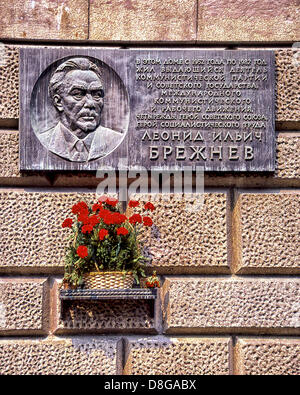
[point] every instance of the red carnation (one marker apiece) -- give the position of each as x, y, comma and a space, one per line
119, 218
83, 217
133, 203
75, 209
147, 221
135, 218
149, 206
93, 220
87, 228
82, 251
67, 223
108, 218
103, 213
103, 233
122, 231
122, 218
97, 206
80, 207
112, 202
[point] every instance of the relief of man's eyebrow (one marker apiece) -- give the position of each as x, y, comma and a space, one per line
96, 87
99, 91
80, 87
86, 88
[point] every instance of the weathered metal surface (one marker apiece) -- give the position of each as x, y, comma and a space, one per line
89, 109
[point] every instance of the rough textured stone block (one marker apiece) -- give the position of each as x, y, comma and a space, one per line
266, 232
178, 356
31, 234
226, 305
288, 155
47, 19
288, 87
189, 234
9, 81
248, 21
9, 154
139, 20
23, 305
287, 68
103, 316
61, 356
268, 356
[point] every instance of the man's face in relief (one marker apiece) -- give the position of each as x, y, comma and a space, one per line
80, 101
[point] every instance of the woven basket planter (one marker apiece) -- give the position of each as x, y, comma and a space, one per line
106, 280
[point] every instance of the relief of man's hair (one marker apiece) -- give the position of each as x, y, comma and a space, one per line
72, 64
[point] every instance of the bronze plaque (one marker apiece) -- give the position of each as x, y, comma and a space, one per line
90, 109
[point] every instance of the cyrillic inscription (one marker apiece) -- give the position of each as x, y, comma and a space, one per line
208, 108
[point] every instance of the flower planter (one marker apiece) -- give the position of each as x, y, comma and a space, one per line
105, 240
108, 280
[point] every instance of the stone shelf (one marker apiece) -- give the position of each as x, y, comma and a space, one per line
69, 296
106, 294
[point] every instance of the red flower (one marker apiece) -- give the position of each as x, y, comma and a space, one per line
122, 231
67, 223
149, 206
93, 220
108, 218
119, 218
122, 218
82, 251
97, 206
87, 228
112, 202
135, 218
103, 213
83, 217
133, 203
80, 207
103, 233
147, 221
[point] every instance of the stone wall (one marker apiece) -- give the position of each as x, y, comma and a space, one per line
230, 300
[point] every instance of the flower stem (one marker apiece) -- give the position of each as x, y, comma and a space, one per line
75, 239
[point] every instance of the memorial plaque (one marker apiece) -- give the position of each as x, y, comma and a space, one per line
89, 109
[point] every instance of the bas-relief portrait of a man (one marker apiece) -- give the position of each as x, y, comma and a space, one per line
77, 93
